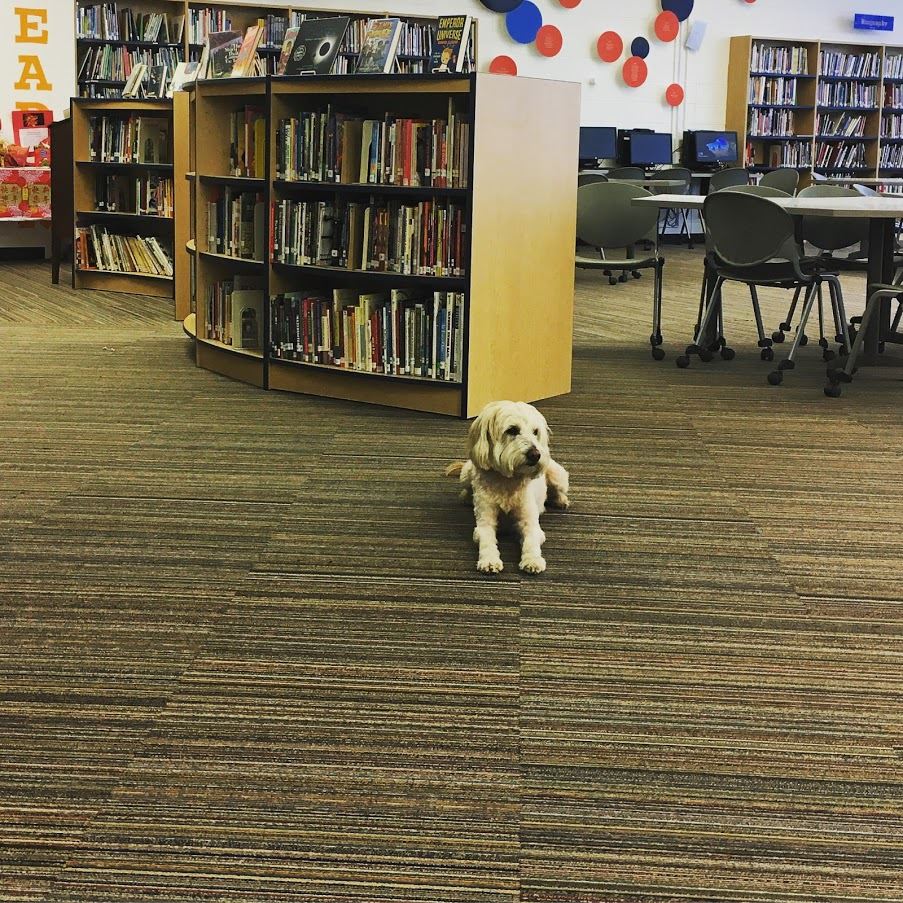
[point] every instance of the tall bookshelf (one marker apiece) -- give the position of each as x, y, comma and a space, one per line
90, 177
95, 35
519, 210
831, 108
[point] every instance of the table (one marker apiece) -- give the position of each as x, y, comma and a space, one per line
849, 180
882, 212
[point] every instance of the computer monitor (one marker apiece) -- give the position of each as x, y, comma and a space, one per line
597, 142
648, 148
715, 147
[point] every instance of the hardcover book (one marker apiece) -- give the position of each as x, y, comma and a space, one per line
287, 44
244, 64
316, 45
224, 47
380, 46
449, 53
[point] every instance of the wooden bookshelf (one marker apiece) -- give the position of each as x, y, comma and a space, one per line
819, 110
519, 211
85, 173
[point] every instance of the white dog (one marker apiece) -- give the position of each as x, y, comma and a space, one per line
510, 472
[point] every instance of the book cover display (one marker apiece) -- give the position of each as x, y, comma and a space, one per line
449, 52
315, 46
380, 46
224, 48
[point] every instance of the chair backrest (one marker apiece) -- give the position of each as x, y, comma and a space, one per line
627, 172
762, 191
606, 218
831, 233
728, 178
746, 230
865, 191
784, 178
587, 178
674, 173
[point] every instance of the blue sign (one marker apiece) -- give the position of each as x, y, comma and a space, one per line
865, 22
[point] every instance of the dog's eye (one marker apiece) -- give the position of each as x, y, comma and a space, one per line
535, 432
512, 431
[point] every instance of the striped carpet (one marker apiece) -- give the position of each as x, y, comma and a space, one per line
245, 655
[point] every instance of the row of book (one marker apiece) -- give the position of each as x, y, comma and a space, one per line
893, 66
116, 63
891, 156
329, 146
247, 143
96, 248
855, 65
893, 97
843, 124
790, 153
128, 138
236, 224
892, 126
763, 89
206, 20
847, 94
778, 123
104, 22
425, 239
147, 194
396, 333
234, 313
150, 81
840, 156
780, 60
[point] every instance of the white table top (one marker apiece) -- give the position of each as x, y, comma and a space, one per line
888, 206
654, 183
849, 180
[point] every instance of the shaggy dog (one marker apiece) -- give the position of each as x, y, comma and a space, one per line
511, 473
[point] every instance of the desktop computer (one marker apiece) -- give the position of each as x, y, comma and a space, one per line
597, 143
709, 149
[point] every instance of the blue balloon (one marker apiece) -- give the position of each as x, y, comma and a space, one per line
524, 22
680, 8
640, 48
501, 6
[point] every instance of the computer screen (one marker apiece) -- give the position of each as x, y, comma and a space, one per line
597, 142
647, 148
716, 147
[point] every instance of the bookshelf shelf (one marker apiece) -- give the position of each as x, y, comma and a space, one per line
222, 346
129, 273
508, 299
770, 74
140, 218
132, 167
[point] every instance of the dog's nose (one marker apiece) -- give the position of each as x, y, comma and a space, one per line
533, 456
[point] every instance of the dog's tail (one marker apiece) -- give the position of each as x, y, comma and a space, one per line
454, 469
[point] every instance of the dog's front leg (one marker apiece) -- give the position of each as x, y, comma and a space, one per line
532, 538
558, 480
487, 517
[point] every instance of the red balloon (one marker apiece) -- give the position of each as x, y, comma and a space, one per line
674, 95
503, 65
609, 46
634, 71
570, 4
548, 40
666, 26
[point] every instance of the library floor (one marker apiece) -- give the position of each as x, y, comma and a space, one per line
245, 655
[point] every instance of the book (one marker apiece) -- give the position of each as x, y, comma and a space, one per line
316, 45
245, 62
133, 84
184, 75
287, 44
247, 319
380, 46
224, 47
155, 81
449, 53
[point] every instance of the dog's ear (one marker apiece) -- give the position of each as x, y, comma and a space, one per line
479, 441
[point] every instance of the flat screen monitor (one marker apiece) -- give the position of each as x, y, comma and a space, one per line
597, 142
648, 148
716, 147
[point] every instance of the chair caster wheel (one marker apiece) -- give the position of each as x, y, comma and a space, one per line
804, 340
786, 365
658, 354
637, 274
784, 327
622, 277
839, 338
833, 391
822, 342
838, 376
612, 280
683, 361
827, 355
705, 355
728, 354
776, 377
777, 337
767, 354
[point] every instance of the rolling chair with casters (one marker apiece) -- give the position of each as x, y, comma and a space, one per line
606, 218
827, 234
837, 376
733, 177
784, 178
636, 173
685, 176
752, 240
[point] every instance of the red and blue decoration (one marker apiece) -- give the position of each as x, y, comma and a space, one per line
523, 22
634, 71
503, 65
680, 8
548, 40
640, 48
674, 94
609, 46
667, 25
501, 6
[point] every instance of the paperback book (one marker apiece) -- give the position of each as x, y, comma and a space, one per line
315, 46
223, 51
449, 52
380, 46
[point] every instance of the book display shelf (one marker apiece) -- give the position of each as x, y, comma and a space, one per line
122, 194
827, 108
415, 278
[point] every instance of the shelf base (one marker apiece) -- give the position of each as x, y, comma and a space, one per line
242, 367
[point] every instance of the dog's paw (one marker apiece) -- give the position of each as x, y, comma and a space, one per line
490, 565
560, 501
533, 564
